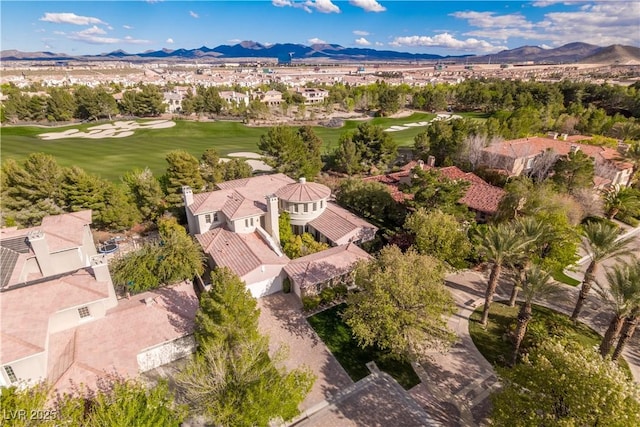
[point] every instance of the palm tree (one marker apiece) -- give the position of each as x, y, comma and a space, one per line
601, 242
622, 295
619, 199
533, 230
537, 283
500, 245
632, 319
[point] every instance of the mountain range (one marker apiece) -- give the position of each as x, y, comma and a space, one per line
569, 53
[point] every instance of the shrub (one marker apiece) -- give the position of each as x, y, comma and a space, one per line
286, 285
311, 302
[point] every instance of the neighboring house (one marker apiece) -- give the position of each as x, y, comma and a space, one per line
312, 95
173, 101
234, 98
310, 274
237, 225
519, 156
60, 319
480, 197
270, 97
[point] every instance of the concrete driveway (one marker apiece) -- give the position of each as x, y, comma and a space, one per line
282, 319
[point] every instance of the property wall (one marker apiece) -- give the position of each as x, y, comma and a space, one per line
164, 353
30, 369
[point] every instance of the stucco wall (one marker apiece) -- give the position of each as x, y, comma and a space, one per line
269, 281
31, 369
70, 317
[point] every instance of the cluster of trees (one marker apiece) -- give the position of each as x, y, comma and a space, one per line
368, 148
234, 380
116, 402
175, 257
296, 152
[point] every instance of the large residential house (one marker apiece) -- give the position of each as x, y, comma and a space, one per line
270, 97
312, 95
234, 98
519, 156
61, 320
237, 226
480, 197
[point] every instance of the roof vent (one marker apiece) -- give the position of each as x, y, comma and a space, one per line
303, 180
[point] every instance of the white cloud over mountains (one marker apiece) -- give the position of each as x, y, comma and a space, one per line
323, 6
70, 18
446, 40
362, 42
316, 40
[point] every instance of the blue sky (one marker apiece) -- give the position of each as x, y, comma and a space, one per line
440, 27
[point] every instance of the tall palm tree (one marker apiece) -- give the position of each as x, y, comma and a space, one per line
537, 283
532, 230
619, 199
601, 242
632, 319
500, 245
622, 295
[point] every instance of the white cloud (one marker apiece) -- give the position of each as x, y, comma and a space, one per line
323, 6
40, 30
363, 42
361, 33
379, 44
70, 18
95, 35
598, 23
169, 41
59, 33
235, 41
446, 40
316, 40
193, 14
368, 5
109, 27
127, 27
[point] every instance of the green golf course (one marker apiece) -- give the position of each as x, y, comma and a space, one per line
112, 157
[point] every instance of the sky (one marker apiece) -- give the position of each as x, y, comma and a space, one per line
444, 27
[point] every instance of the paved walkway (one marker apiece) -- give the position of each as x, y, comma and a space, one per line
455, 386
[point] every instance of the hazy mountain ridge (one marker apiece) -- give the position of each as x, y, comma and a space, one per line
569, 53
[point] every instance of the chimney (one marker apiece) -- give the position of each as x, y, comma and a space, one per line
187, 195
41, 250
271, 218
553, 135
421, 164
564, 136
431, 161
303, 180
574, 148
100, 268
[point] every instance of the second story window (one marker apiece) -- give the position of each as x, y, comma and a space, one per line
11, 374
216, 218
84, 312
207, 218
306, 207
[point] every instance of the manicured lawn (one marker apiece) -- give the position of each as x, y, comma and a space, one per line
337, 336
112, 157
495, 345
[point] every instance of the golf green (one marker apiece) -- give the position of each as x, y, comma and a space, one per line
112, 157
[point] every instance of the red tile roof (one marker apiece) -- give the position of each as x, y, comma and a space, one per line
325, 265
480, 195
242, 253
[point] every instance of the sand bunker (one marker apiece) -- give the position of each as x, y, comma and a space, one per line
256, 165
246, 155
120, 129
437, 118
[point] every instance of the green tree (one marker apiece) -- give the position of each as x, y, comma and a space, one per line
143, 102
233, 380
347, 158
295, 152
501, 245
388, 100
296, 246
235, 169
183, 169
565, 384
376, 147
536, 284
622, 296
574, 171
211, 168
421, 146
402, 304
439, 235
431, 190
181, 256
146, 192
370, 200
60, 105
135, 272
621, 200
601, 242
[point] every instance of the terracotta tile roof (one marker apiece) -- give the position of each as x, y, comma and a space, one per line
528, 147
325, 265
26, 310
65, 231
113, 342
265, 183
304, 192
480, 195
242, 253
341, 226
